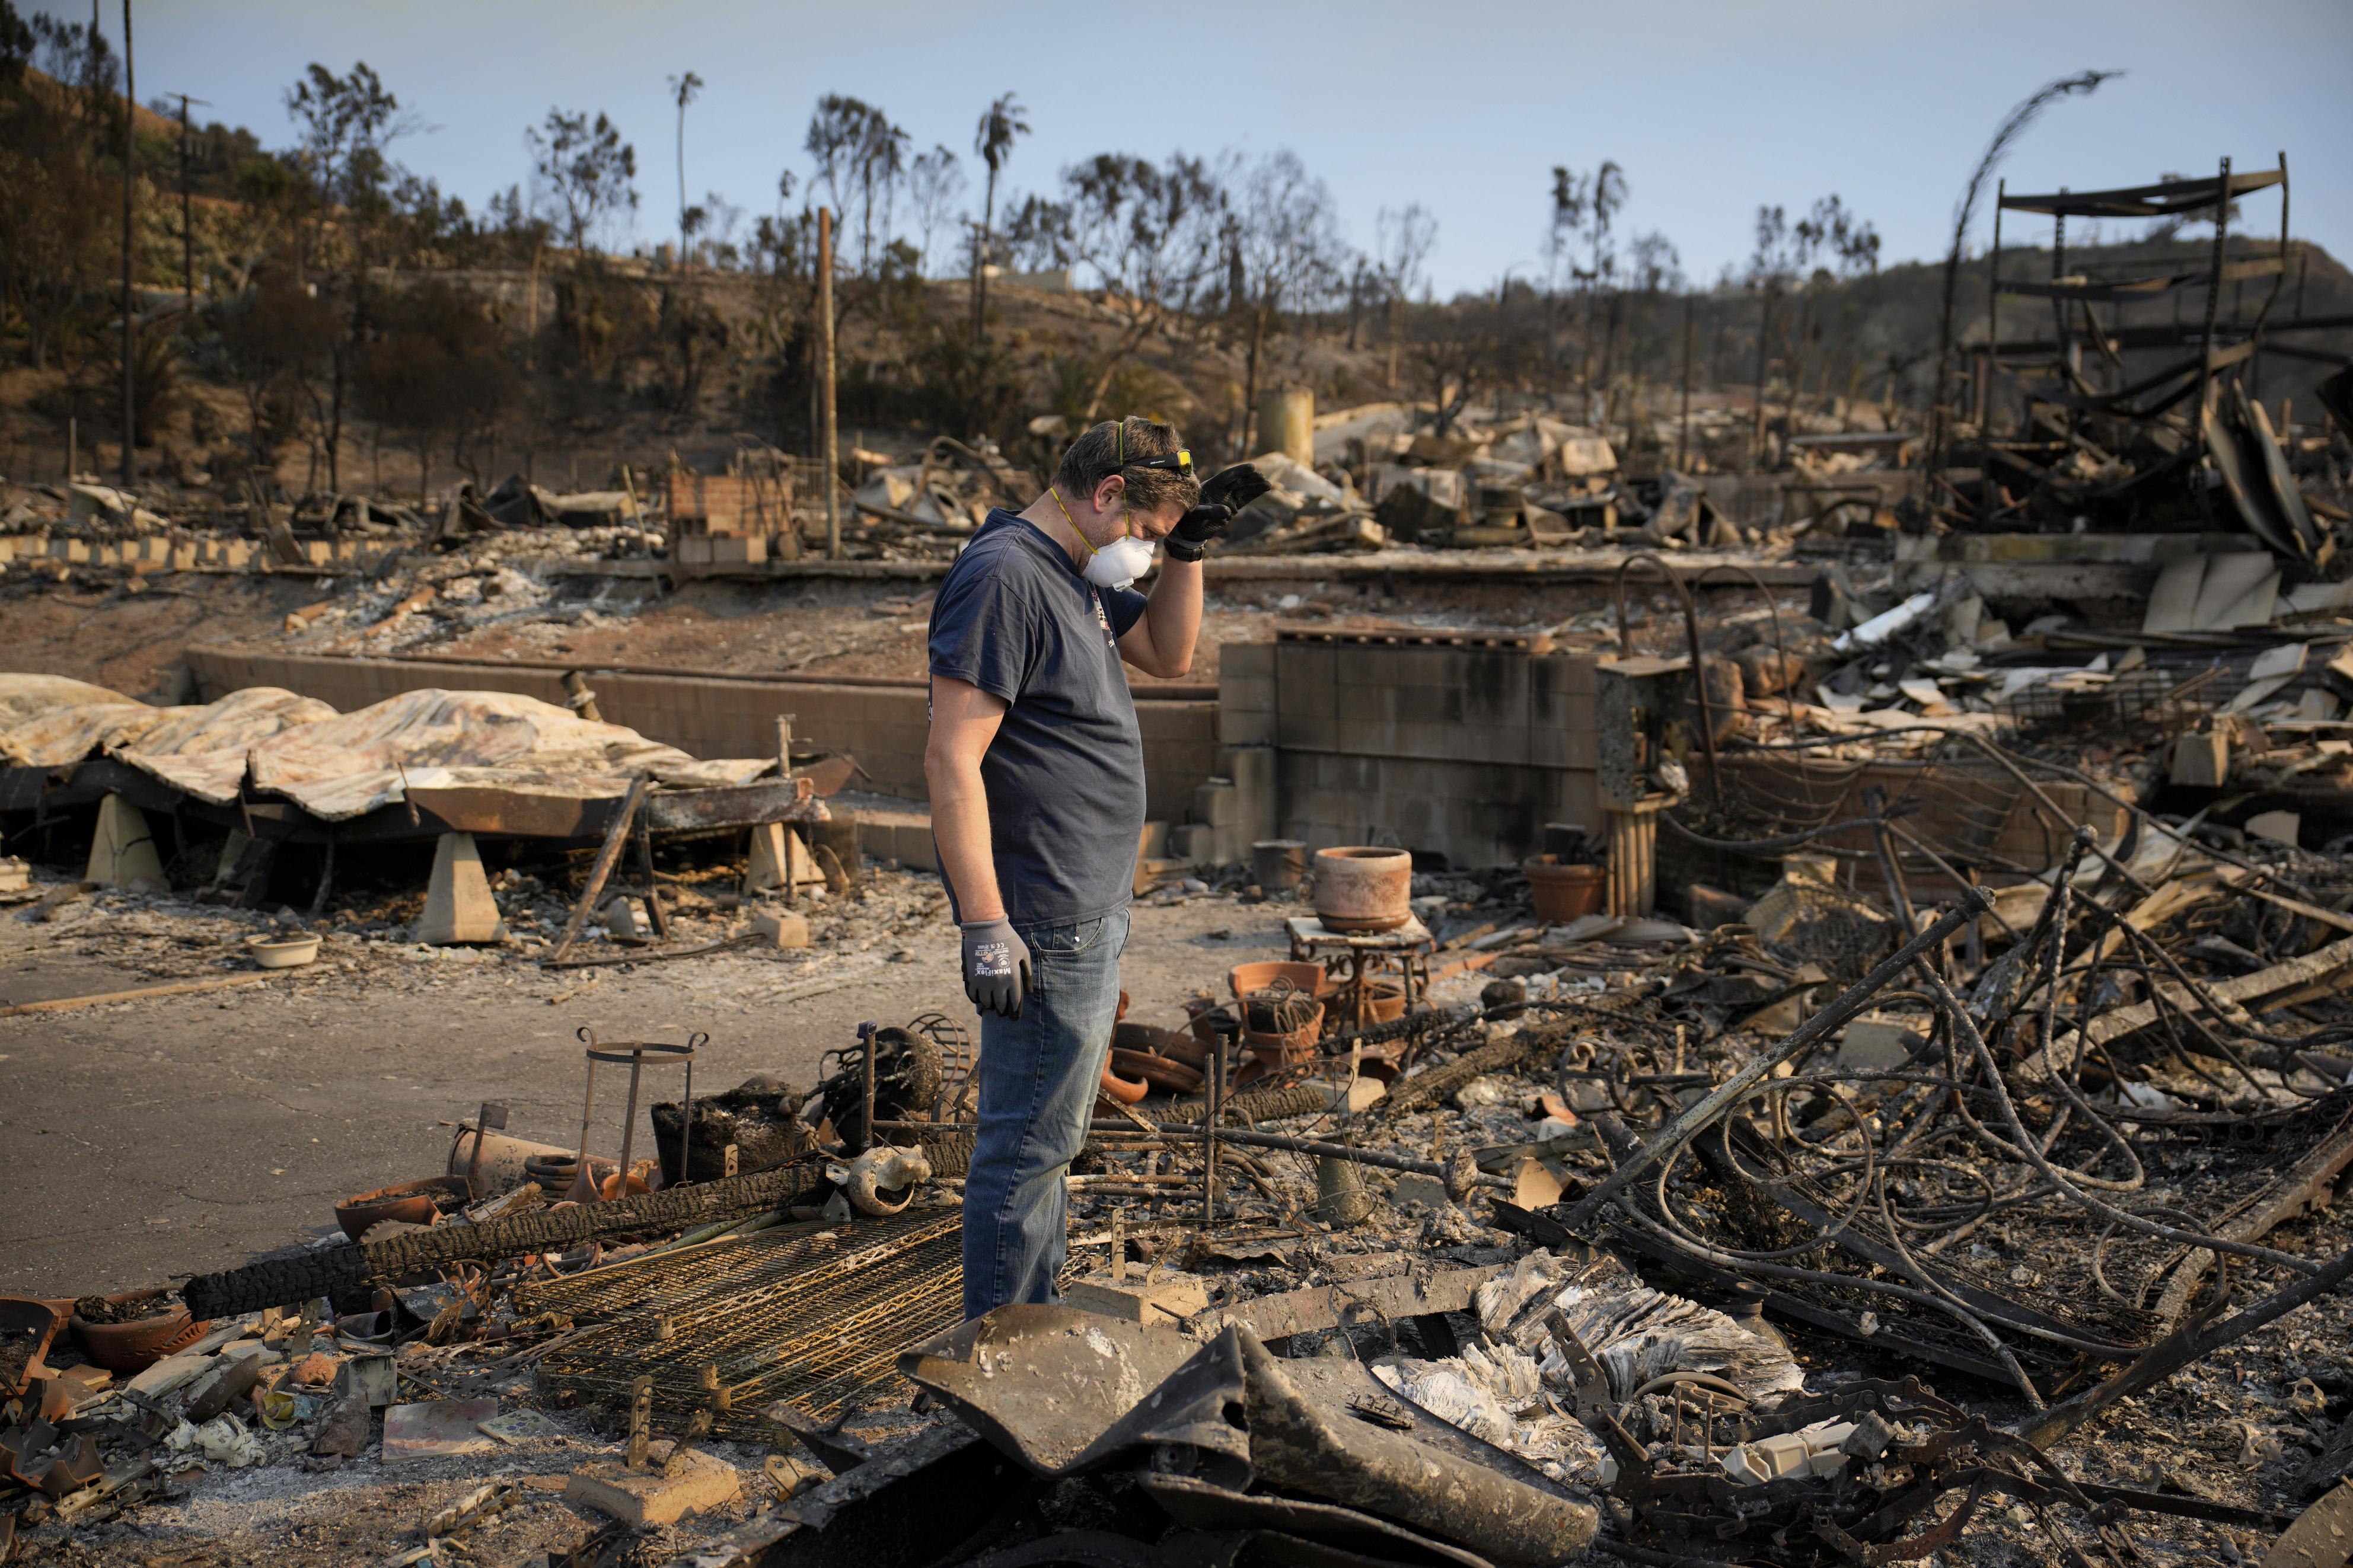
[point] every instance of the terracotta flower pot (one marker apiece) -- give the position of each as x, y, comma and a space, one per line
411, 1202
1245, 978
1363, 888
1563, 893
135, 1346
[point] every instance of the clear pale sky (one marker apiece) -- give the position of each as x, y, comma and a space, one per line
1711, 106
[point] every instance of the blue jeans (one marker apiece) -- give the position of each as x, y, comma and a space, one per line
1039, 1076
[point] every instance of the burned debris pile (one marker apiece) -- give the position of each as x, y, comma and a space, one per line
1815, 1236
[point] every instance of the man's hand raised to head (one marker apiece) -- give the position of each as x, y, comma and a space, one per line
1226, 493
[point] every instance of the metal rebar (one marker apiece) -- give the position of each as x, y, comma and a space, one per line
1217, 1108
582, 1189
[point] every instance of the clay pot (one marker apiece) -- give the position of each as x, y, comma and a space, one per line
1306, 978
411, 1202
1563, 893
1164, 1074
135, 1346
1118, 1090
1279, 1047
1165, 1045
1363, 888
1384, 1003
32, 1323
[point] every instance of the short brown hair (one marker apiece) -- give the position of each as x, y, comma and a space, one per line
1098, 454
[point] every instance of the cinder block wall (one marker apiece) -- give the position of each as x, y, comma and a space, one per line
882, 726
1466, 753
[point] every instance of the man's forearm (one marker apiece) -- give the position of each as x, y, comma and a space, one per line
960, 830
1173, 611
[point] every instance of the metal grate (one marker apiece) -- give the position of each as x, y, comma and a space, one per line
812, 1313
2150, 701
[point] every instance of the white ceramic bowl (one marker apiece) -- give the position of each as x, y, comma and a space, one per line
283, 952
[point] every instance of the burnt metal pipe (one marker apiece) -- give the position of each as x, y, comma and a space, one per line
1690, 631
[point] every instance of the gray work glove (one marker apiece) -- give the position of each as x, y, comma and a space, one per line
996, 967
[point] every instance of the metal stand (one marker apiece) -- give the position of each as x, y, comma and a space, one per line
584, 1187
1404, 951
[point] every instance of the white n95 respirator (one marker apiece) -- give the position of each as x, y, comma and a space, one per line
1120, 562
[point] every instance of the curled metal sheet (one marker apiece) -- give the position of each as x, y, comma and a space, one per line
1065, 1392
1045, 1383
1296, 1444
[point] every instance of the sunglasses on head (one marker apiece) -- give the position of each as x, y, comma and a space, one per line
1175, 463
1178, 462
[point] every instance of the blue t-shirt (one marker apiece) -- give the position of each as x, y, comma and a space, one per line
1065, 773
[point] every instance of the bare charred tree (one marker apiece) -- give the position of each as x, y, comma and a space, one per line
1402, 244
1286, 258
276, 341
934, 180
1151, 232
439, 372
585, 169
53, 247
1584, 206
1471, 346
346, 124
857, 151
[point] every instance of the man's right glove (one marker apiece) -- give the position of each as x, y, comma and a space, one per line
1225, 493
996, 967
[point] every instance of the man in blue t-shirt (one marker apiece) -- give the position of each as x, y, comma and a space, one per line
1036, 771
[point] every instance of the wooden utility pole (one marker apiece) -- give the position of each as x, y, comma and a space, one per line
1764, 330
831, 455
187, 220
1683, 437
130, 129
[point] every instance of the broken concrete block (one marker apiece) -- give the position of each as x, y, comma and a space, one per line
781, 928
653, 1497
1414, 1187
1364, 1093
2279, 826
1782, 1455
458, 907
2201, 760
1167, 1299
121, 850
16, 875
344, 1430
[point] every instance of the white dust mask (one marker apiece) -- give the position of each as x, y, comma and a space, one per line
1120, 562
